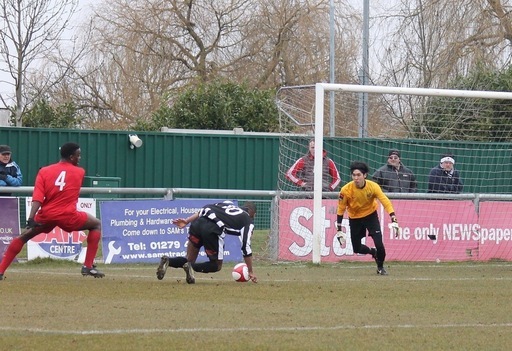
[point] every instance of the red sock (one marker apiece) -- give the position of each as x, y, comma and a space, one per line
93, 240
12, 251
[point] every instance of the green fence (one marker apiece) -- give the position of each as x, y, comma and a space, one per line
164, 160
222, 161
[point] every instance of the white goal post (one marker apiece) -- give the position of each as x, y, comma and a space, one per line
319, 123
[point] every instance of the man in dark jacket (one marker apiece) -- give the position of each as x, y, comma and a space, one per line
394, 177
444, 178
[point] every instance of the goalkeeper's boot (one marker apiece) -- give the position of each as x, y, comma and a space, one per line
189, 271
162, 267
382, 271
1, 276
93, 272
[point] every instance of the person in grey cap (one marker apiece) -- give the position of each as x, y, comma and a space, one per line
444, 178
10, 172
394, 177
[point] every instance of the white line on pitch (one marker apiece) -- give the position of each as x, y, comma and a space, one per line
170, 277
250, 329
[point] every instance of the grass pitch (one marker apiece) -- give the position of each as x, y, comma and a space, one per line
295, 306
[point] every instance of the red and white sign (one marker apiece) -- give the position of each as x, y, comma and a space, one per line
60, 244
461, 233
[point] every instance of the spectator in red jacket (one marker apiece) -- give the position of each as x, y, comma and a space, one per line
301, 173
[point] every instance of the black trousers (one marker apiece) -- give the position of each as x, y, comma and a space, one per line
358, 229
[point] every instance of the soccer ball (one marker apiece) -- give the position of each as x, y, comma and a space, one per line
240, 273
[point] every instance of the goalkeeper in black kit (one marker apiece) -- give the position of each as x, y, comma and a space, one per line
208, 227
359, 199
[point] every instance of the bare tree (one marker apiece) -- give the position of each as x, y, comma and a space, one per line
435, 41
29, 31
501, 10
289, 43
143, 49
438, 40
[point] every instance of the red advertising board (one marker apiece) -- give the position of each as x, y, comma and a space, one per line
461, 233
493, 212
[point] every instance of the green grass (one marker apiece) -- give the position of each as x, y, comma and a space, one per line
295, 306
48, 305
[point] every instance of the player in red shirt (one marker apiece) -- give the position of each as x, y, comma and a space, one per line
54, 200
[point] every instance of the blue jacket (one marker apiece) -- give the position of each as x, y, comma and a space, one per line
440, 181
14, 176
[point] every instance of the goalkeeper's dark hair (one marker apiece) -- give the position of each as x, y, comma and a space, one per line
360, 166
249, 207
68, 149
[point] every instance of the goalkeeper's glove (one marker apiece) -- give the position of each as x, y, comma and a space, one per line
341, 237
395, 226
31, 223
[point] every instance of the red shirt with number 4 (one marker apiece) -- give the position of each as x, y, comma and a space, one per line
57, 188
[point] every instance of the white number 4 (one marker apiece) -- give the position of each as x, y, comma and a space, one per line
61, 180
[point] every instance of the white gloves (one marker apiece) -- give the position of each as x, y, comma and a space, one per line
394, 225
341, 236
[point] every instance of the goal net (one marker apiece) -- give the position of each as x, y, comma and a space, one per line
467, 210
